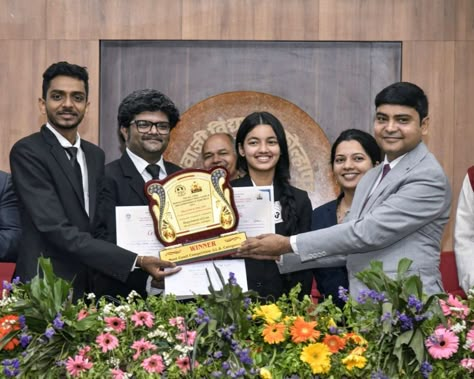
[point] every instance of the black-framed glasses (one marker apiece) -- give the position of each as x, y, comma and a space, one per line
144, 126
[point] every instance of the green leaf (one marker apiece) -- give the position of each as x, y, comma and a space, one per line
403, 266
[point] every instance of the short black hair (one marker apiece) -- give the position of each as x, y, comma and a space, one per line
404, 93
146, 100
65, 69
366, 140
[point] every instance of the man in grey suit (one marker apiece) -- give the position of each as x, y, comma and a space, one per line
400, 207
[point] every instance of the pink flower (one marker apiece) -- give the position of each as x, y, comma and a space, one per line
143, 318
187, 337
141, 345
470, 336
107, 341
154, 364
83, 352
82, 314
454, 306
75, 366
179, 322
468, 364
443, 343
115, 323
184, 364
117, 373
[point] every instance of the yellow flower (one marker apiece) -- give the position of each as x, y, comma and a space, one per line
265, 373
317, 355
271, 313
302, 331
359, 350
353, 360
274, 333
331, 324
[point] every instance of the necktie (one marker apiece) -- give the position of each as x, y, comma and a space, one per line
72, 152
154, 171
385, 170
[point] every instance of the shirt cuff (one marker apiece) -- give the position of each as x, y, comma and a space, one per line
135, 267
152, 290
293, 245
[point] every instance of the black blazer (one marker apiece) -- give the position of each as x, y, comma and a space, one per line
264, 276
122, 185
10, 227
325, 215
54, 221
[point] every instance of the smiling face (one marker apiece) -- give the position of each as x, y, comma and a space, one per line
65, 104
351, 162
151, 145
218, 150
261, 149
398, 129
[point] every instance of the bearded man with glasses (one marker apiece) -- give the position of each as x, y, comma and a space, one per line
145, 119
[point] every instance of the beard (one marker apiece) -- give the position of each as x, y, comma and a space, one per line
55, 119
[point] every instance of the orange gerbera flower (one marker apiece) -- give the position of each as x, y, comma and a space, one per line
353, 337
8, 324
274, 333
302, 331
335, 343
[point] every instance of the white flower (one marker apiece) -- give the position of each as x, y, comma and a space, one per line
468, 344
91, 296
132, 295
459, 327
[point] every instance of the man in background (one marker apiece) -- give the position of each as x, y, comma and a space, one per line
219, 150
399, 209
10, 228
145, 119
54, 173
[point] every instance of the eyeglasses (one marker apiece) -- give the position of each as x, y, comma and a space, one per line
144, 126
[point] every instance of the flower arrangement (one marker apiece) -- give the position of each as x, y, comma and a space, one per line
450, 342
391, 330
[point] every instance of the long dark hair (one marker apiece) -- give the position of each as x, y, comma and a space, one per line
282, 169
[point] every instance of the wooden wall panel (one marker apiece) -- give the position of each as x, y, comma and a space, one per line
114, 19
83, 53
22, 19
464, 111
438, 83
250, 20
386, 20
464, 20
21, 65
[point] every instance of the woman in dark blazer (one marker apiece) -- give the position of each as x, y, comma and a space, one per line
353, 153
263, 156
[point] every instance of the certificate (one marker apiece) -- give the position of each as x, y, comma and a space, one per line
197, 282
255, 207
135, 230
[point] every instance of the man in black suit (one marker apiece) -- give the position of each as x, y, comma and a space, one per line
145, 119
54, 173
10, 229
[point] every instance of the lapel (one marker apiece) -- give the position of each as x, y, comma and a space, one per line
407, 163
133, 177
61, 158
92, 178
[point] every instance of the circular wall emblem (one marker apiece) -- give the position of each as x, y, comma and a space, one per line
309, 146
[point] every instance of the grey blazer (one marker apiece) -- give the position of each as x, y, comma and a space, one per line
403, 218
